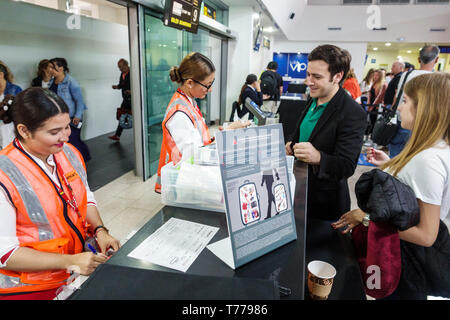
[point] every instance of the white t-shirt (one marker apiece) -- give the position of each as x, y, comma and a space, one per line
428, 174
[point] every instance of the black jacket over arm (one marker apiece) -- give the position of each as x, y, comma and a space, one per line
338, 135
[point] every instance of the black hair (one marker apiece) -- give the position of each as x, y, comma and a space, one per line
248, 81
338, 59
61, 62
273, 65
31, 107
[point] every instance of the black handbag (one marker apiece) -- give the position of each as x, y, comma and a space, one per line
384, 130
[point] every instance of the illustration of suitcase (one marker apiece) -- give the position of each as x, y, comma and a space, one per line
280, 197
249, 203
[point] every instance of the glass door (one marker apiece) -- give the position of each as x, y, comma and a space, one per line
163, 48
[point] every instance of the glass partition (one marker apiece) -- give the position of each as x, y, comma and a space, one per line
164, 47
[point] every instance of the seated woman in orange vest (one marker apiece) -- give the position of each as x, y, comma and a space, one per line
47, 210
184, 127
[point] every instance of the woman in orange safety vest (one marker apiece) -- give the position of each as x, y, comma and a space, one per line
48, 213
184, 127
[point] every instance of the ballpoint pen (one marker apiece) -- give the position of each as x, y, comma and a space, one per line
92, 248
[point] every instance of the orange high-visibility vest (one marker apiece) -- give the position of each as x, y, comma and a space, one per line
44, 221
169, 149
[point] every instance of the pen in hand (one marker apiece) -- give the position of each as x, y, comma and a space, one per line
92, 249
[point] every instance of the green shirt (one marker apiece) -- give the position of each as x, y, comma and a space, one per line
309, 122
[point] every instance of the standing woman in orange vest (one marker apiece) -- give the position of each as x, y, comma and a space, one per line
184, 127
47, 210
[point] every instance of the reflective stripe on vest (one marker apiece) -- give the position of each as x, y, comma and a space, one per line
189, 107
76, 163
32, 204
7, 282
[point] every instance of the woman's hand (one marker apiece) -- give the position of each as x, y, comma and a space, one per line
238, 125
87, 262
377, 157
350, 220
106, 241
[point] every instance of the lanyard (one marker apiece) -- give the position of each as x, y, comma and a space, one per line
188, 99
71, 201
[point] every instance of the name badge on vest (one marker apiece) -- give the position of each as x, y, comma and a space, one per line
71, 176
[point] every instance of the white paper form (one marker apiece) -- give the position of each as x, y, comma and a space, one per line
176, 244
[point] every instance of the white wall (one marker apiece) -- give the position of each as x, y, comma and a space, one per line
356, 49
239, 52
242, 59
30, 33
410, 22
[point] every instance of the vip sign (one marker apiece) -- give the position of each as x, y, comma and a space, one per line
298, 63
297, 66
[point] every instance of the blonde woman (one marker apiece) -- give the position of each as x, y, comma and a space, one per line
376, 94
423, 165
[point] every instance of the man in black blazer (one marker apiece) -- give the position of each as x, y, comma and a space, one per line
329, 133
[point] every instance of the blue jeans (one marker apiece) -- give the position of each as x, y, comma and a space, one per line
399, 141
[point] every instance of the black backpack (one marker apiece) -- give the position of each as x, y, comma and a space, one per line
269, 83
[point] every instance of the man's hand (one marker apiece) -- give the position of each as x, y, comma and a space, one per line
306, 152
115, 87
289, 151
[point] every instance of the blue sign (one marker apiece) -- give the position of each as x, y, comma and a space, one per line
292, 65
298, 63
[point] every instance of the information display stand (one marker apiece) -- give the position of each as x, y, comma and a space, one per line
257, 195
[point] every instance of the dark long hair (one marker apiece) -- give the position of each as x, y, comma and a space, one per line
248, 81
31, 107
61, 62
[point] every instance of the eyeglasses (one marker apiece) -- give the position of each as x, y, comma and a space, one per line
204, 85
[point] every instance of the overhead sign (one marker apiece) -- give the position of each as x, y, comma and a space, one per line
183, 14
209, 12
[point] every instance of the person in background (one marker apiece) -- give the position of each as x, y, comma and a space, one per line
396, 70
251, 89
365, 86
352, 86
7, 88
124, 85
184, 127
44, 74
47, 212
65, 86
329, 134
376, 96
428, 57
276, 80
424, 166
408, 66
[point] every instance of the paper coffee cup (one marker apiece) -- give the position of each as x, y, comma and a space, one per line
320, 279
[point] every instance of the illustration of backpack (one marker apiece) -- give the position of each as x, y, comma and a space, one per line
269, 83
249, 203
280, 197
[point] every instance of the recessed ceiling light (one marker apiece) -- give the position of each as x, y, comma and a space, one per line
409, 51
375, 49
387, 44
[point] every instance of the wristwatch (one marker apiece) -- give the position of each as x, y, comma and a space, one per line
366, 220
98, 228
